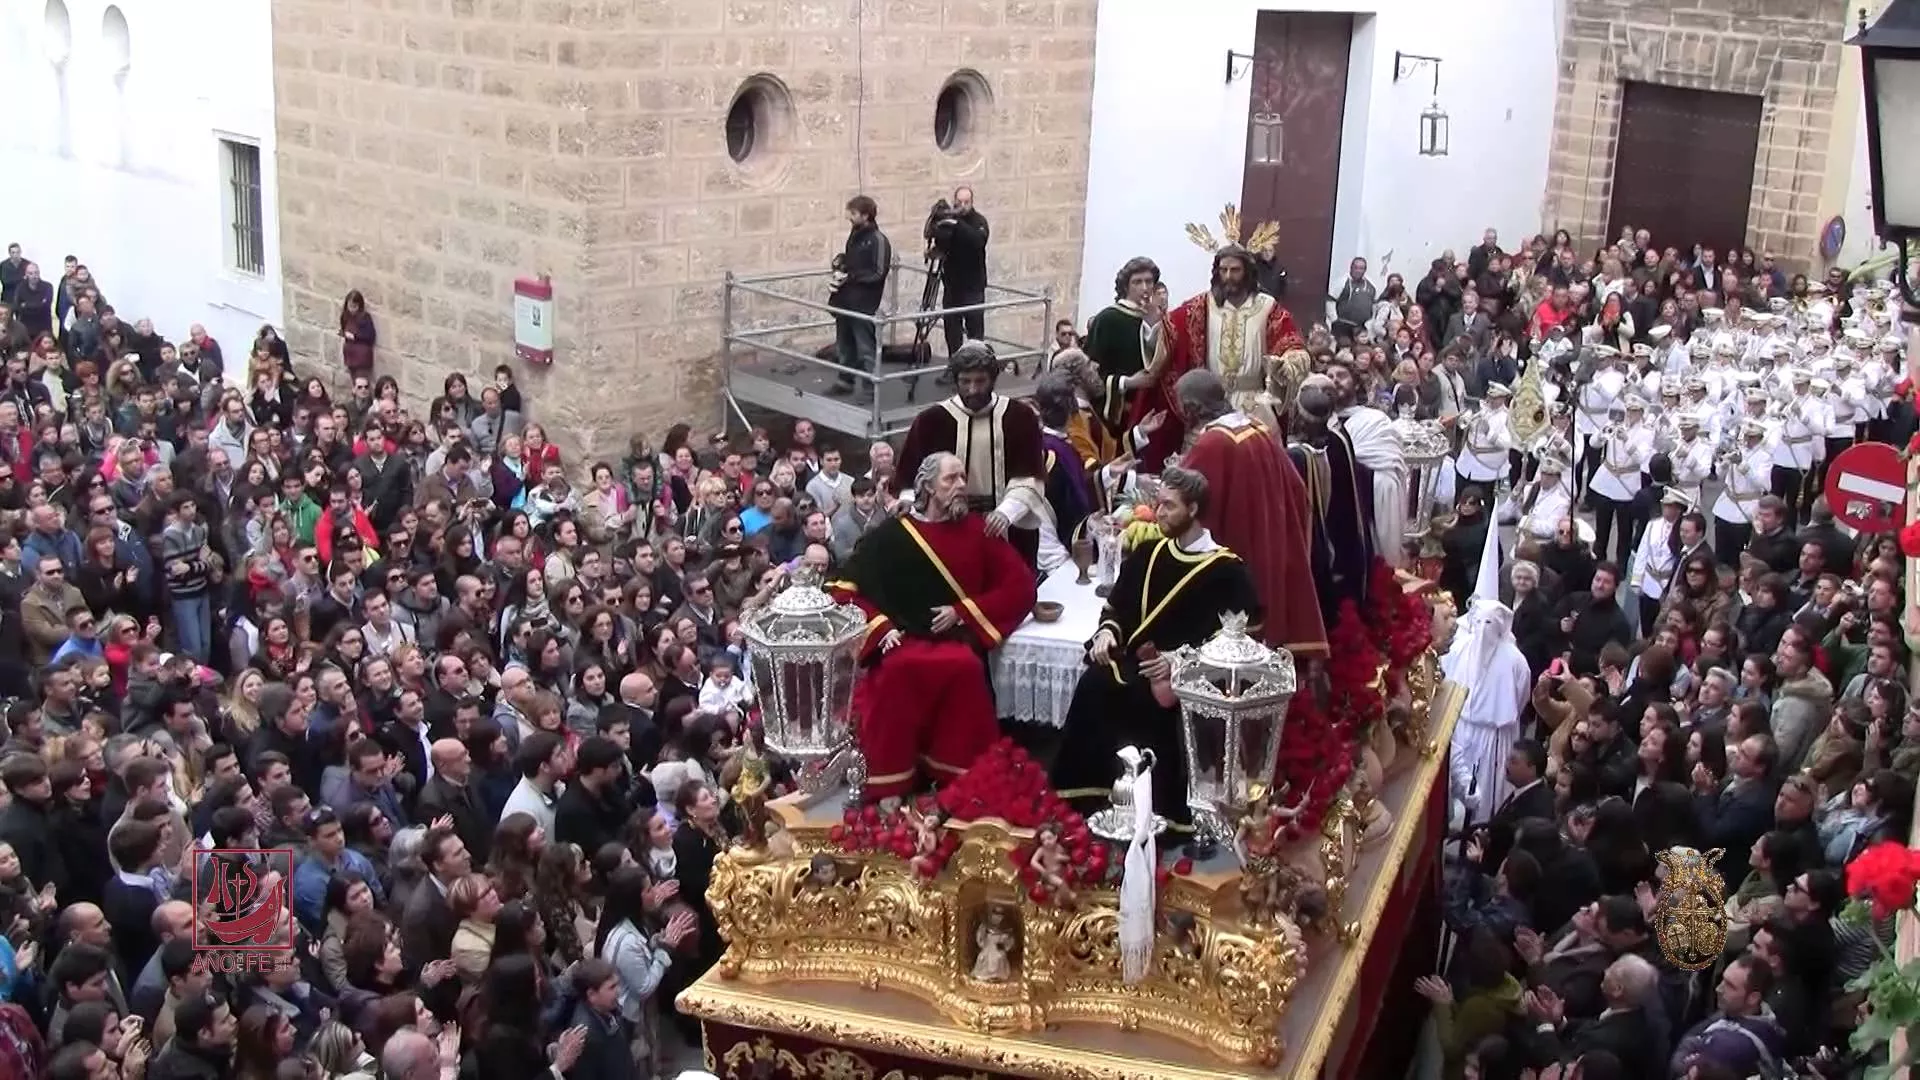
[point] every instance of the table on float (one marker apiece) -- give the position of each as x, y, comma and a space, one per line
1036, 669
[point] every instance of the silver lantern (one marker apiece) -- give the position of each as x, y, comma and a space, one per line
805, 648
1426, 448
1234, 692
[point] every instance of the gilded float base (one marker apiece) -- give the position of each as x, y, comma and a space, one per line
891, 995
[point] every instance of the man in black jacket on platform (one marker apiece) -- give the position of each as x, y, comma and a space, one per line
959, 234
859, 284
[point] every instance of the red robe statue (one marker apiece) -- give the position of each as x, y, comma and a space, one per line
1184, 347
1257, 508
929, 703
1001, 447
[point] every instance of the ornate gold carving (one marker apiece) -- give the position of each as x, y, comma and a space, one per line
884, 925
926, 1042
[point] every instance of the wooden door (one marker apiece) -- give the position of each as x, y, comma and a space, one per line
1299, 74
1683, 168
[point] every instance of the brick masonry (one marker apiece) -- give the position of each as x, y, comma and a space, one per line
431, 151
1786, 51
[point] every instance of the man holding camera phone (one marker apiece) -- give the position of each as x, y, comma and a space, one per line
958, 233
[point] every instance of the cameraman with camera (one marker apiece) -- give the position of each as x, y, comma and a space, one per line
956, 237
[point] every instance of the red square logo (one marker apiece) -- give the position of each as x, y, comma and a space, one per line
243, 899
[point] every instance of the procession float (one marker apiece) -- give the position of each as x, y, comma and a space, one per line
989, 931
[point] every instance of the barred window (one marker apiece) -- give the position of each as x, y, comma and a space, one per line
245, 241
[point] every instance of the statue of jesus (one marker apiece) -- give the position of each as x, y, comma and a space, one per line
1233, 330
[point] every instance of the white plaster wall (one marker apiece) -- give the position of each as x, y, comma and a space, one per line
1169, 134
127, 175
1857, 207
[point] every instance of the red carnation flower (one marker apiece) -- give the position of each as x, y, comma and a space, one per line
1183, 866
1910, 536
1886, 875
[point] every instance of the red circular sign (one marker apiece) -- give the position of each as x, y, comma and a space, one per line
1867, 487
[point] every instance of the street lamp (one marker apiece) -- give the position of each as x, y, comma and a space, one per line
1890, 74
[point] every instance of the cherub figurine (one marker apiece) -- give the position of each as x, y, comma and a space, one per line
1183, 934
1375, 821
823, 872
1260, 831
995, 938
926, 841
1050, 863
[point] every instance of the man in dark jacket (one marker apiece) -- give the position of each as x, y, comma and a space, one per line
859, 284
1591, 620
449, 794
25, 826
202, 1043
593, 810
1742, 1038
1732, 815
32, 300
959, 235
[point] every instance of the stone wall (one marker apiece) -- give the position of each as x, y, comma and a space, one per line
1786, 51
431, 151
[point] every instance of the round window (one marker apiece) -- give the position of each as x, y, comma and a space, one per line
961, 111
759, 123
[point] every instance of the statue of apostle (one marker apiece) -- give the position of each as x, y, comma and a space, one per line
1069, 490
1340, 498
1376, 443
997, 440
1170, 592
939, 593
1240, 334
1259, 509
1121, 337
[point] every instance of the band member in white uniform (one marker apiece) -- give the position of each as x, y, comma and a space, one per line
1746, 475
1484, 452
1692, 457
1546, 500
1656, 557
1801, 426
1625, 448
1592, 405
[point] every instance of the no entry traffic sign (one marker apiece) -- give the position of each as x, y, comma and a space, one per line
1867, 487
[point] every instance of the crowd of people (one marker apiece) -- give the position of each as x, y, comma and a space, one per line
1731, 676
490, 700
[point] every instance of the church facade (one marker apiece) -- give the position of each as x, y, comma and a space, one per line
637, 151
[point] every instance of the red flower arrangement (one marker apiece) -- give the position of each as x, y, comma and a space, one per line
1317, 751
1885, 875
1006, 783
1910, 536
866, 831
1003, 783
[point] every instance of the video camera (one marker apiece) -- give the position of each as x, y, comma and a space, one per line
939, 227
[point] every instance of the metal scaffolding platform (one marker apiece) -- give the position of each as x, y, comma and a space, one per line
777, 349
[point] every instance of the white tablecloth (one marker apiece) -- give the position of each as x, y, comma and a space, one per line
1035, 672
